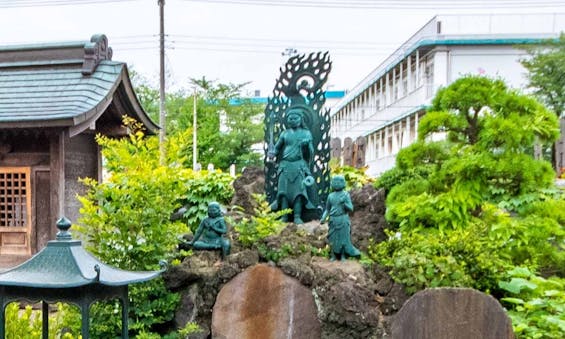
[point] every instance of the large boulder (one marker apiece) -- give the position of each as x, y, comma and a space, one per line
199, 278
368, 218
446, 313
348, 304
262, 302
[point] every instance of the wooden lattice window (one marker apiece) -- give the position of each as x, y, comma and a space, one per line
15, 197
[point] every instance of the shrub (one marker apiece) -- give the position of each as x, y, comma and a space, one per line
354, 177
262, 224
201, 188
460, 258
126, 222
536, 305
27, 323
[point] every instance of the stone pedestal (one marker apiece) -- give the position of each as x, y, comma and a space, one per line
447, 313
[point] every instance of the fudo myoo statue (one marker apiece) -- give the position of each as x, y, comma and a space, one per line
294, 151
210, 233
297, 138
337, 211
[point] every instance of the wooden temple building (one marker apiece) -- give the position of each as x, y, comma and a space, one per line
54, 99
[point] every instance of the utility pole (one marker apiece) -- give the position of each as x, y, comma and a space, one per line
194, 129
162, 114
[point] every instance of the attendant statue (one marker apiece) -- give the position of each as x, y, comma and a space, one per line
294, 151
337, 211
210, 233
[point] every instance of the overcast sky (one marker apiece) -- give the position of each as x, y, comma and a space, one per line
242, 40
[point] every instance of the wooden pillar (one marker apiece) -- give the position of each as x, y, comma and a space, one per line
57, 175
408, 132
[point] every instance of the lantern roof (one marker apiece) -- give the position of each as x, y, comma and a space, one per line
64, 263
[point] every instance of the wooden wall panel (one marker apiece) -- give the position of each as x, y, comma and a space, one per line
81, 160
45, 230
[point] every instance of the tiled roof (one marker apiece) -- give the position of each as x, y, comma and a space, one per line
56, 94
64, 84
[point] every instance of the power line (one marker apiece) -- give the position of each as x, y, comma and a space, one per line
286, 41
270, 51
392, 4
251, 42
38, 3
353, 4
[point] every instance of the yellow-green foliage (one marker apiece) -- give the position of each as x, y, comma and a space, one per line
126, 221
27, 323
190, 328
262, 224
22, 323
354, 177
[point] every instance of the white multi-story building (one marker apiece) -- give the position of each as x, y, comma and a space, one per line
386, 106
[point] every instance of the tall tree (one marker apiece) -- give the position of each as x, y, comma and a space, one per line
471, 205
228, 125
546, 76
485, 158
546, 67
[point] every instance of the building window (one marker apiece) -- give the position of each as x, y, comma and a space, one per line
404, 90
397, 85
429, 74
15, 197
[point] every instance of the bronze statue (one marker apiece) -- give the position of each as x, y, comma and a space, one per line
210, 233
294, 151
337, 211
297, 138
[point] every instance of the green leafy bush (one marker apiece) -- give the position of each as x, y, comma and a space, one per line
200, 189
354, 177
465, 210
459, 258
262, 224
27, 322
535, 304
537, 236
126, 222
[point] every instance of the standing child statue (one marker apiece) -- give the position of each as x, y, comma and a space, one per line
337, 208
210, 233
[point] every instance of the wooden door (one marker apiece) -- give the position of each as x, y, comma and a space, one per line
15, 211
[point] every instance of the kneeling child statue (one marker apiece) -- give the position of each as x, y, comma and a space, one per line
210, 233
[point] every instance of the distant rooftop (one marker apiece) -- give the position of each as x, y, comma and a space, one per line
263, 100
